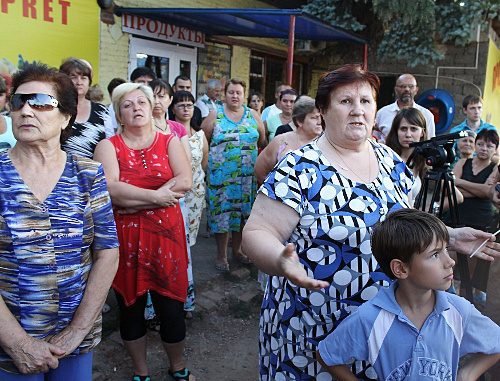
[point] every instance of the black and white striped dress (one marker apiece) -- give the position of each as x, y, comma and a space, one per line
332, 240
85, 136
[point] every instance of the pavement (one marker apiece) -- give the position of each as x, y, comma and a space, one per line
203, 255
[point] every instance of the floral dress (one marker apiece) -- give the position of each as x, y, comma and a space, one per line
231, 183
332, 239
195, 197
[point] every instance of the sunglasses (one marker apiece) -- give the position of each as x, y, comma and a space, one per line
37, 101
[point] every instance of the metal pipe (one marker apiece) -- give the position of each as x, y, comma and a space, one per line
291, 43
458, 67
365, 57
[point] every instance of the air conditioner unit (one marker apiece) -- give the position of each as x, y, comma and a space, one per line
308, 46
303, 45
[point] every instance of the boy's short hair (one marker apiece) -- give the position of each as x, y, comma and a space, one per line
403, 234
471, 99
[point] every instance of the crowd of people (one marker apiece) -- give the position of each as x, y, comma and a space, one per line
111, 196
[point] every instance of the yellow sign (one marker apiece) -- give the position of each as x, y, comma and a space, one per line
48, 31
491, 93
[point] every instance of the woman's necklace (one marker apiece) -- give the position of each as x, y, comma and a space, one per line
161, 129
346, 167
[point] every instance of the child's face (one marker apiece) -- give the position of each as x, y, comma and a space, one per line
432, 269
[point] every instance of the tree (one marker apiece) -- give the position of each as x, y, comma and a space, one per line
412, 30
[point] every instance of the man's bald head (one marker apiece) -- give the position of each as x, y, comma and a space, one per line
406, 88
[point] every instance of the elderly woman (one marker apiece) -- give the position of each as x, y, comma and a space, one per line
310, 228
93, 122
147, 173
234, 132
308, 121
58, 246
466, 147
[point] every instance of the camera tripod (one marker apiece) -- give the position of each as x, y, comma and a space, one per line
444, 189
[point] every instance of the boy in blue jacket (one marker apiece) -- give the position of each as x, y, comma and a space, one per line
413, 330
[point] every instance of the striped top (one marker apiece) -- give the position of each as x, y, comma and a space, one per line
46, 247
85, 136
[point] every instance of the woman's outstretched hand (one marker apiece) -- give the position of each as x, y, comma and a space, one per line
294, 271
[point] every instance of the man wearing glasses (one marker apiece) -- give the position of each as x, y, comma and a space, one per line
406, 88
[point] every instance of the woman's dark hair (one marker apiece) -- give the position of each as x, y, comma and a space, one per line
346, 75
489, 136
182, 96
74, 64
416, 118
288, 92
159, 85
66, 92
259, 95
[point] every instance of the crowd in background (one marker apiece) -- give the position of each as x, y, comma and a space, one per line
135, 176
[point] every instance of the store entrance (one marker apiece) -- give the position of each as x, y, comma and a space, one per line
168, 61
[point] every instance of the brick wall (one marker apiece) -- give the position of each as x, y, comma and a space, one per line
458, 82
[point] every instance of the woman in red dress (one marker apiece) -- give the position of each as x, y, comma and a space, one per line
145, 187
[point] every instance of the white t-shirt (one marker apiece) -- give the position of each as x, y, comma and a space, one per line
386, 115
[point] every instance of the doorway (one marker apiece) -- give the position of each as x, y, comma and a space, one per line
167, 61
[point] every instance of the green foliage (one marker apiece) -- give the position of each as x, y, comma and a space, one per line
411, 29
336, 12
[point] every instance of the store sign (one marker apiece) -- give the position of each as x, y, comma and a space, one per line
491, 95
158, 30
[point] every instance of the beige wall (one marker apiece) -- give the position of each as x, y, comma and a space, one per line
114, 58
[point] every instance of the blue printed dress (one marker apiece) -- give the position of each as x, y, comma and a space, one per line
231, 183
46, 248
332, 239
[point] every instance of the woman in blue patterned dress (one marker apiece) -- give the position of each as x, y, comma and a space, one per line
234, 132
310, 228
58, 244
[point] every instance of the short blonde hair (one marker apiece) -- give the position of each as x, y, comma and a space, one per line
126, 88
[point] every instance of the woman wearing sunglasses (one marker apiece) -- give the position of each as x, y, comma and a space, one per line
147, 172
58, 245
92, 123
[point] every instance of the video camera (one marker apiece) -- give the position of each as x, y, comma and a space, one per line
437, 151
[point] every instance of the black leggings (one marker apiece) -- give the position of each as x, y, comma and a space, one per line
170, 314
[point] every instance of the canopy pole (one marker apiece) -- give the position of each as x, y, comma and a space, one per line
365, 57
291, 43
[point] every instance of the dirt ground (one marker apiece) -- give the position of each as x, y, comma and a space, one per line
221, 342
